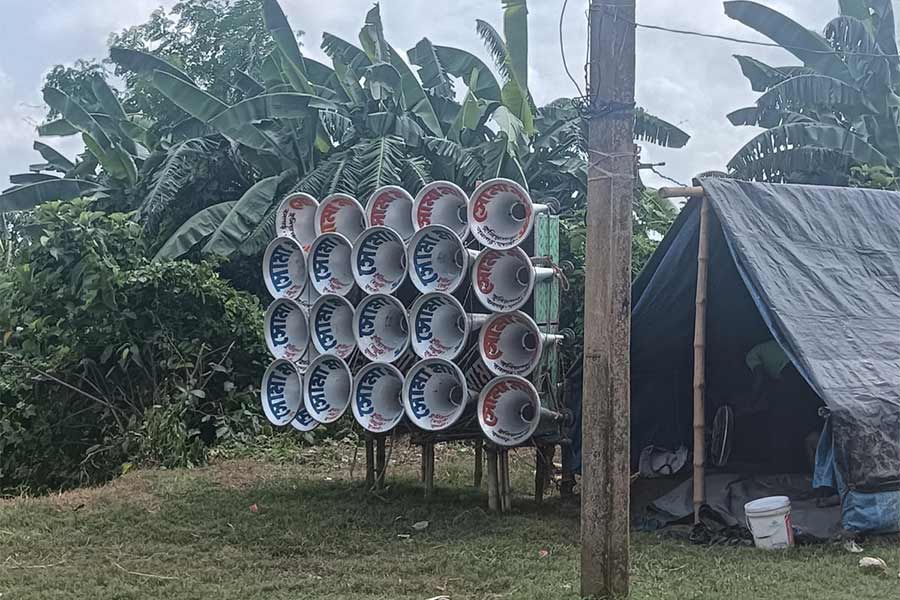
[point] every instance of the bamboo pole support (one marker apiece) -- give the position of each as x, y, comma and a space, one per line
380, 465
479, 464
539, 476
370, 462
493, 483
424, 462
428, 451
505, 493
700, 362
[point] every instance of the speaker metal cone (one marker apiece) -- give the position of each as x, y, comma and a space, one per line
287, 330
330, 270
340, 213
509, 410
501, 214
326, 388
435, 394
439, 326
379, 261
391, 206
284, 268
376, 397
281, 393
331, 326
296, 217
442, 203
512, 344
381, 328
438, 260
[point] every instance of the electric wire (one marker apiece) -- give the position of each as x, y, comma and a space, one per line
562, 48
747, 42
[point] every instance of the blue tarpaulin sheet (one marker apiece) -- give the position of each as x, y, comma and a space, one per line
818, 270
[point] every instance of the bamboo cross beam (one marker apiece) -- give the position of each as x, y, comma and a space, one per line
681, 192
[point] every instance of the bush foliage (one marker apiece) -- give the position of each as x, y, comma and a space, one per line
107, 358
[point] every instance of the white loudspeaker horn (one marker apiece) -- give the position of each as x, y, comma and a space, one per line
296, 218
281, 393
379, 261
391, 206
439, 326
340, 213
326, 388
509, 411
381, 328
376, 397
284, 268
435, 394
512, 344
329, 265
304, 422
501, 214
287, 330
505, 279
331, 326
438, 260
442, 203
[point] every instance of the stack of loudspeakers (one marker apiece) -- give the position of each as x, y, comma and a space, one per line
413, 313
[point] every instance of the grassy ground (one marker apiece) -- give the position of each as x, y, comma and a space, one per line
314, 533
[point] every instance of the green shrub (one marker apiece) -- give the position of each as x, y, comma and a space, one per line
108, 359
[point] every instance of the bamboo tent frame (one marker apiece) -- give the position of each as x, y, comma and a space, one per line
699, 475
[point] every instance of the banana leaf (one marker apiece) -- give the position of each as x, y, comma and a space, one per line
243, 217
268, 106
76, 115
432, 73
200, 226
27, 197
144, 63
797, 135
18, 179
810, 47
462, 64
57, 128
515, 30
205, 107
819, 91
54, 158
652, 129
278, 26
371, 37
249, 86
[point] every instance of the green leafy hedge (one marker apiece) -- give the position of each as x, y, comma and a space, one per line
107, 359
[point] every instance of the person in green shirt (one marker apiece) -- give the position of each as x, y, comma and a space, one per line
793, 404
769, 357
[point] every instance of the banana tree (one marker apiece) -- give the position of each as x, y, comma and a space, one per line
837, 109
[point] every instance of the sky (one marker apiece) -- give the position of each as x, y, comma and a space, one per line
689, 81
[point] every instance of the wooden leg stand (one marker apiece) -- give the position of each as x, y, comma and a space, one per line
428, 457
493, 481
370, 462
479, 464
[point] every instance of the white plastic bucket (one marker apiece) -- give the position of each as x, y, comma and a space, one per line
769, 520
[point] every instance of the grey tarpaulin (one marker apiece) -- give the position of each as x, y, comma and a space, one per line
818, 269
823, 267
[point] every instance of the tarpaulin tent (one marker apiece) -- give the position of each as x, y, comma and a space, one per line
818, 270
